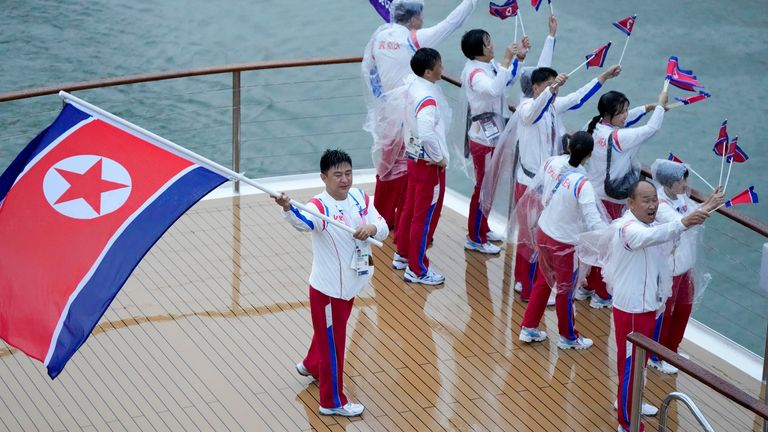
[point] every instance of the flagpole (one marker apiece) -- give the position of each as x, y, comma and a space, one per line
218, 168
699, 176
726, 147
522, 27
730, 165
551, 11
715, 209
517, 17
674, 105
622, 51
666, 85
591, 56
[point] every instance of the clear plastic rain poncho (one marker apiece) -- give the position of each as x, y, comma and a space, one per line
385, 98
686, 249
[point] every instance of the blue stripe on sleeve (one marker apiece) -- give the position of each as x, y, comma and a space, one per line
546, 107
633, 121
586, 97
302, 218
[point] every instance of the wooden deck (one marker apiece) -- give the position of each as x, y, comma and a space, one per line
205, 335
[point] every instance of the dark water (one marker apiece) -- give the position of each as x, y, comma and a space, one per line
291, 116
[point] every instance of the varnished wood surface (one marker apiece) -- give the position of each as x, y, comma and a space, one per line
206, 332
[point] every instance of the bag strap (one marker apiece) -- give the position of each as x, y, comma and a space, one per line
608, 167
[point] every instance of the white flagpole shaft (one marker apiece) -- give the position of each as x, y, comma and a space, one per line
624, 50
522, 27
517, 17
666, 85
700, 177
715, 209
218, 168
730, 165
579, 66
722, 162
674, 105
551, 10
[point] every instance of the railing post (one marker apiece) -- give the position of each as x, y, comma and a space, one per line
638, 381
236, 126
764, 286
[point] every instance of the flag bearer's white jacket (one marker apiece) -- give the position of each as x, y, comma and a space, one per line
333, 248
638, 270
485, 87
540, 127
626, 145
684, 253
428, 117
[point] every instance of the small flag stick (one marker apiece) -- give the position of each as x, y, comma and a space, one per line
730, 165
521, 22
699, 176
622, 51
551, 11
715, 209
666, 85
517, 17
591, 56
674, 105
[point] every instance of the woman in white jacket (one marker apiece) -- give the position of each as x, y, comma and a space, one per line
674, 204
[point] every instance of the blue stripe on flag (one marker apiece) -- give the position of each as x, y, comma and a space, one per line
68, 117
123, 256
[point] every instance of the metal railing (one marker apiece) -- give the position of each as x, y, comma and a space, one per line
688, 402
645, 345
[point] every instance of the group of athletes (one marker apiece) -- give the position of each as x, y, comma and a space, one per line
583, 222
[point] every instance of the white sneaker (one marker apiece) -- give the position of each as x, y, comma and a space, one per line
302, 370
348, 410
486, 248
663, 367
582, 293
598, 303
551, 300
518, 287
494, 236
399, 262
532, 335
579, 343
647, 409
429, 278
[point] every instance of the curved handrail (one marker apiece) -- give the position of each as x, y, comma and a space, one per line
700, 373
687, 401
756, 226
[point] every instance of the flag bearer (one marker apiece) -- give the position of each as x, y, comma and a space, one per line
341, 267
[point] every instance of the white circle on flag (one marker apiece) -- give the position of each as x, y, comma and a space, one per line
90, 195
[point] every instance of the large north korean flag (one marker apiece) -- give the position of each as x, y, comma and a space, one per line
79, 208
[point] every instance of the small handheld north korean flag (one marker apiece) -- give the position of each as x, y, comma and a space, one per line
626, 24
722, 139
673, 157
747, 196
598, 56
736, 153
537, 3
680, 78
507, 9
693, 99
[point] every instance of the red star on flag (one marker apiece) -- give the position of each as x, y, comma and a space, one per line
89, 186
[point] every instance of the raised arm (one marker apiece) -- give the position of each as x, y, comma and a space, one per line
300, 220
432, 36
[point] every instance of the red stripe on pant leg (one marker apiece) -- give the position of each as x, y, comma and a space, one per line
321, 356
477, 223
405, 219
438, 209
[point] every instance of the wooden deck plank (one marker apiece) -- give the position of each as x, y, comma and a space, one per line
205, 333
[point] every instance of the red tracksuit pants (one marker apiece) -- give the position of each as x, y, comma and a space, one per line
325, 358
390, 198
624, 324
477, 222
554, 258
526, 266
423, 202
670, 326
